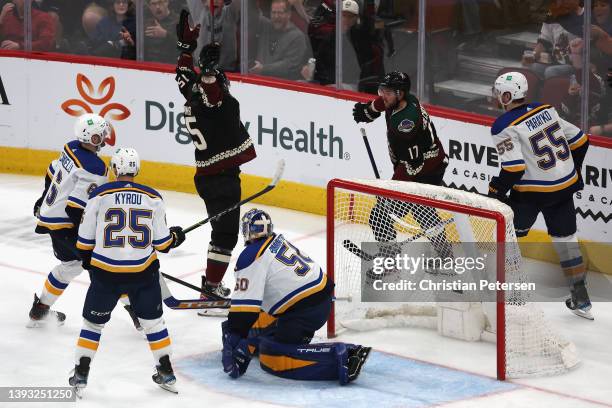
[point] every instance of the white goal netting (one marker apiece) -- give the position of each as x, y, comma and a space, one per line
401, 214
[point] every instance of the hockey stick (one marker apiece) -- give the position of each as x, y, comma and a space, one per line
355, 250
280, 167
212, 21
370, 155
212, 301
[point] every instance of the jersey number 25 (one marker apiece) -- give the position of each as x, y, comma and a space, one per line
118, 219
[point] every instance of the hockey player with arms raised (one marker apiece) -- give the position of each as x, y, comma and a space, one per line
123, 227
541, 156
274, 276
222, 144
68, 182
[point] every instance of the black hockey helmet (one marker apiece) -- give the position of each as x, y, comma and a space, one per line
396, 80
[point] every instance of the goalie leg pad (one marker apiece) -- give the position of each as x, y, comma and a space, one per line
320, 361
58, 280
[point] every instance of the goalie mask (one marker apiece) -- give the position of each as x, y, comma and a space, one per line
92, 129
125, 162
513, 83
256, 224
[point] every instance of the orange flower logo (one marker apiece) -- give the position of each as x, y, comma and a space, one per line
105, 91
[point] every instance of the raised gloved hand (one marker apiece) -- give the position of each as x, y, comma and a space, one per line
363, 113
209, 58
187, 37
236, 356
178, 236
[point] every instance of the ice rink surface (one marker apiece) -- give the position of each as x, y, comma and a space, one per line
409, 367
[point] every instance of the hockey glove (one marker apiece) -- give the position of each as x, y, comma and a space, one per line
236, 356
209, 58
187, 37
178, 236
37, 206
494, 193
363, 113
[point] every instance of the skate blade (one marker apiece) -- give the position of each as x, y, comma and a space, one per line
213, 312
363, 356
169, 388
585, 314
79, 392
57, 318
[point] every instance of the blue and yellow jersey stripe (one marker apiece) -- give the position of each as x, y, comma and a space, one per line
72, 155
299, 294
514, 165
578, 140
85, 244
117, 266
245, 305
529, 114
50, 171
541, 186
76, 203
55, 223
161, 244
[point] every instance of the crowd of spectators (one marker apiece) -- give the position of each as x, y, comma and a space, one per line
296, 40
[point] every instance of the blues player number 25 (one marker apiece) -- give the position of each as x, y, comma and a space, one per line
118, 220
551, 149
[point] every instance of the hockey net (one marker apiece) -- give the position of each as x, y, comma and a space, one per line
357, 212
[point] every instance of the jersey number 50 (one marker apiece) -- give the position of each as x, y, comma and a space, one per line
297, 259
546, 151
118, 219
196, 135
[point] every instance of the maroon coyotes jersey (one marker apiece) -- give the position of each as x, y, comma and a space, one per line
212, 117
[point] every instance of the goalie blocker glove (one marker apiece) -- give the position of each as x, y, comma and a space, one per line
362, 112
187, 37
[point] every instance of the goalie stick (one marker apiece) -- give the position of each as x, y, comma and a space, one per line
280, 167
211, 301
355, 250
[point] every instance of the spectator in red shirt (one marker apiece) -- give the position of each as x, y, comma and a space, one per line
11, 28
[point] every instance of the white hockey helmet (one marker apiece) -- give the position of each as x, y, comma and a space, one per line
513, 82
91, 128
125, 161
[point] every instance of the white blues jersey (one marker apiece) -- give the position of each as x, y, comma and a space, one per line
124, 224
273, 275
74, 175
533, 139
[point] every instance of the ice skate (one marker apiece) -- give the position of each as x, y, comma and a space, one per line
78, 380
40, 314
165, 375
